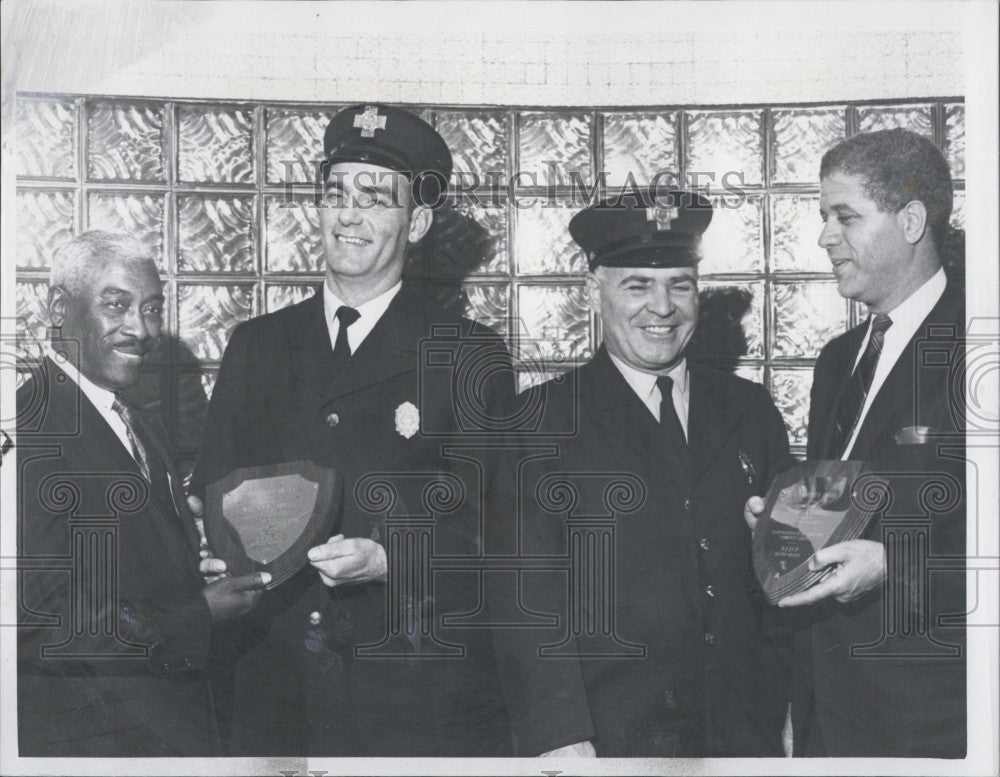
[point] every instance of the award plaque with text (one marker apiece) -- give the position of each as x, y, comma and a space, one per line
811, 506
265, 519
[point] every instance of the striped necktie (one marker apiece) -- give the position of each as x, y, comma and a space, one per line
858, 385
139, 452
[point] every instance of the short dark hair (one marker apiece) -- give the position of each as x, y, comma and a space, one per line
898, 166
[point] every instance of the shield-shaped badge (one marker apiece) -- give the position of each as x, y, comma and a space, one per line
265, 519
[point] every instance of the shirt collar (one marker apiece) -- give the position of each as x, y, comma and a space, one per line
368, 312
909, 313
99, 397
642, 383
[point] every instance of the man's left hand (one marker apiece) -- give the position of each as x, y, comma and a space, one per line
858, 567
354, 560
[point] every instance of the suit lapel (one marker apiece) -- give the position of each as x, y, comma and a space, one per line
388, 350
711, 419
898, 387
843, 368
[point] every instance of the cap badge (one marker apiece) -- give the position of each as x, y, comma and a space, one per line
662, 216
369, 121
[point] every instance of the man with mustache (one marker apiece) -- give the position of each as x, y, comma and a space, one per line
341, 379
659, 649
115, 619
881, 653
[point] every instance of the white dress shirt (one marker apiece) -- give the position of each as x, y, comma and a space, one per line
644, 385
906, 320
368, 315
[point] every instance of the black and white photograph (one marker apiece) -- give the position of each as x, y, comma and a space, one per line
419, 387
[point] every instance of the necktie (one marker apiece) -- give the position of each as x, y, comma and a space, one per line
139, 451
342, 347
860, 382
668, 413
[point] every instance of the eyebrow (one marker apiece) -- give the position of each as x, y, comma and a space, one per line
113, 291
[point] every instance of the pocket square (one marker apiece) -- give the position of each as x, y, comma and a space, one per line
913, 435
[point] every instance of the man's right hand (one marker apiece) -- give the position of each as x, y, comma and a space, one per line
231, 597
751, 510
578, 750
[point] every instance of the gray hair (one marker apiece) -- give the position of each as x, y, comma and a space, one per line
74, 260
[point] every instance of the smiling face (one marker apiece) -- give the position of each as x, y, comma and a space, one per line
648, 314
116, 317
872, 258
367, 220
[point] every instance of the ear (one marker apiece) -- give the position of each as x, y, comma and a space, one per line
56, 305
420, 222
913, 221
594, 292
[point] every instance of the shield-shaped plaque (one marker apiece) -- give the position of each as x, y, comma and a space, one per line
811, 506
266, 518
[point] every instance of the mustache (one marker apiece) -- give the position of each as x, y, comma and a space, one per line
134, 345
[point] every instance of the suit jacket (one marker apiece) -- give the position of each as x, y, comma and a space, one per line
280, 396
896, 697
689, 670
114, 635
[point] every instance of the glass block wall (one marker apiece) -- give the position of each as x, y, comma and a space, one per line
221, 192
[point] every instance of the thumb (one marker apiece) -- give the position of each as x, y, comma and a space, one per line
825, 557
755, 505
251, 582
195, 505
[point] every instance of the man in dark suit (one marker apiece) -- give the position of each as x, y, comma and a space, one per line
115, 619
659, 648
346, 658
882, 650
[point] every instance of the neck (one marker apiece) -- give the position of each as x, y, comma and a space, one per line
358, 291
922, 273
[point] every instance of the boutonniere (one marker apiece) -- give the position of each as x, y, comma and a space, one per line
407, 419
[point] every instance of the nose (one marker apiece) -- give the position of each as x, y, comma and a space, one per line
660, 302
134, 324
349, 214
830, 234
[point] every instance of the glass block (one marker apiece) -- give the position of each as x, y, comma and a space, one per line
282, 295
958, 210
806, 316
125, 142
795, 230
46, 138
208, 313
790, 391
208, 377
730, 320
542, 240
954, 143
912, 117
215, 234
32, 316
489, 305
293, 241
553, 325
555, 148
724, 145
468, 238
46, 220
801, 137
753, 374
215, 145
295, 144
642, 144
528, 378
478, 143
139, 215
734, 241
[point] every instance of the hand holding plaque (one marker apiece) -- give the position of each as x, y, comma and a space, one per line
812, 506
266, 518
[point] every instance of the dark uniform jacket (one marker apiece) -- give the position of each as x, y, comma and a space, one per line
875, 693
114, 634
685, 668
301, 686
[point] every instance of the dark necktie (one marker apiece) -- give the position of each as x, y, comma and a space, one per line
860, 382
668, 413
342, 347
